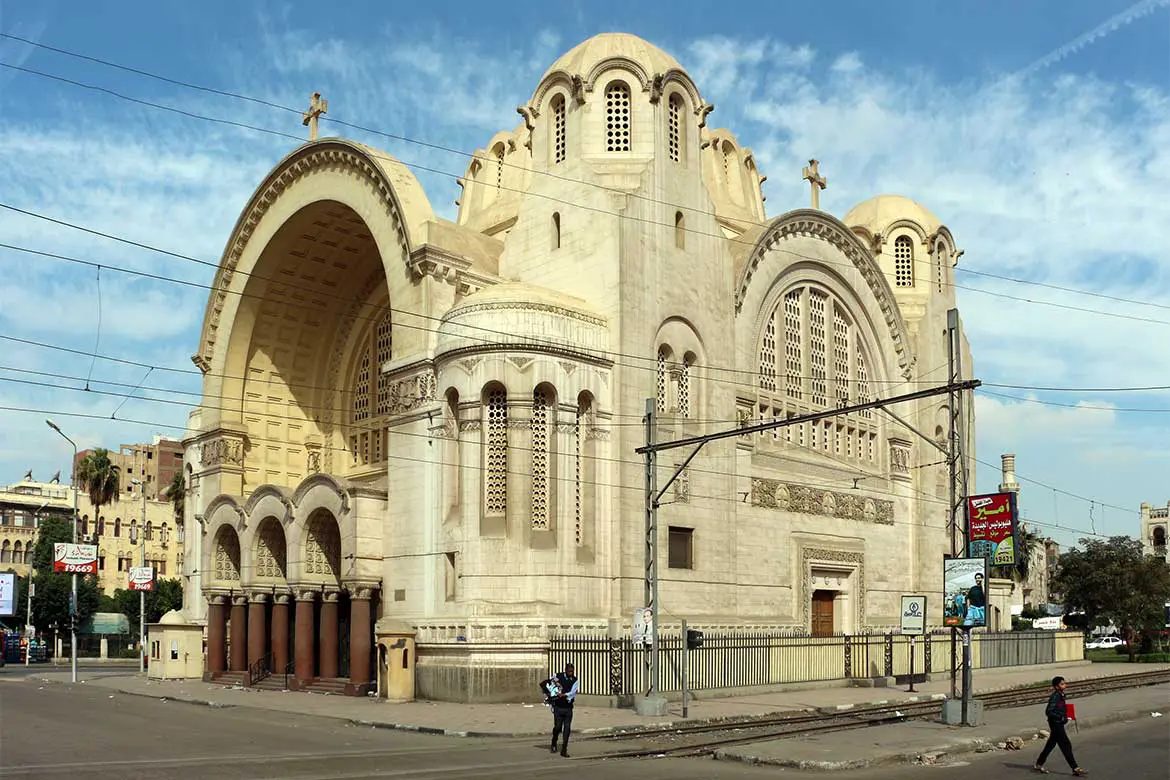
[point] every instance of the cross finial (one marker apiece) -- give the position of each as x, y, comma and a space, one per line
317, 107
816, 182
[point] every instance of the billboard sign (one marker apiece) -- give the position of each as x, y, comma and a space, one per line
991, 528
914, 615
141, 578
7, 594
75, 558
643, 626
965, 592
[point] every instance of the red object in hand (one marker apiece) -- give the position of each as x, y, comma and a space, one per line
1071, 711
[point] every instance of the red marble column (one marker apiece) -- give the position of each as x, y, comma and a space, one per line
216, 635
279, 634
329, 634
360, 640
304, 662
238, 660
257, 628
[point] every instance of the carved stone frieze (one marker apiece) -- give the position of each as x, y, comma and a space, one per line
597, 434
900, 460
470, 425
786, 497
412, 392
222, 451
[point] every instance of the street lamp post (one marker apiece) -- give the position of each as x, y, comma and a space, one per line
73, 597
141, 593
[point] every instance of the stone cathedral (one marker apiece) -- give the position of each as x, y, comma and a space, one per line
417, 435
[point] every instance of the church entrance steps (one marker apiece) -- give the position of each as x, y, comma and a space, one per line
273, 682
227, 678
334, 686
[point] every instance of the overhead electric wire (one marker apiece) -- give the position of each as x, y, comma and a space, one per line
471, 155
578, 205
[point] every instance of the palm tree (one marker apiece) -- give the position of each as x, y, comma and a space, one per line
98, 476
1027, 542
177, 493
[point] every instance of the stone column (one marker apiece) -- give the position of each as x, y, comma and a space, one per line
304, 663
216, 635
360, 639
257, 628
329, 636
280, 633
238, 662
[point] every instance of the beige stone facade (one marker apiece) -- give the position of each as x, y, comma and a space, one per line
154, 464
1155, 522
25, 503
441, 417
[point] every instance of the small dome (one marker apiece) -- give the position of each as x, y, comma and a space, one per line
172, 618
522, 315
583, 57
878, 213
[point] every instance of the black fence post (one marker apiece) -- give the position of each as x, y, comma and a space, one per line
848, 656
889, 655
615, 667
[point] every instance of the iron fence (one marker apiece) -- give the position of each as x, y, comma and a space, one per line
617, 667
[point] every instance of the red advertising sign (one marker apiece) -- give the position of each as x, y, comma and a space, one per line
142, 578
75, 558
991, 524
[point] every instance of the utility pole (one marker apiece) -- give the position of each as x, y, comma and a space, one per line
73, 592
958, 495
653, 703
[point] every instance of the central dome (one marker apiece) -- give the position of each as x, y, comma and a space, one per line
583, 57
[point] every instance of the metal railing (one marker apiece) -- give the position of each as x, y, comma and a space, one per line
615, 667
259, 669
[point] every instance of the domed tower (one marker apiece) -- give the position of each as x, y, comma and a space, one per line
603, 183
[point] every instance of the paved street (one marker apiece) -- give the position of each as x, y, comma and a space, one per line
57, 731
1137, 750
51, 731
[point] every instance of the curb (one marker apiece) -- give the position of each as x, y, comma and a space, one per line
928, 756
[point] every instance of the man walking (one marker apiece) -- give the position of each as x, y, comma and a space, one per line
562, 709
1057, 714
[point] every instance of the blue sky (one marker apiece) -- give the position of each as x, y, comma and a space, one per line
1038, 132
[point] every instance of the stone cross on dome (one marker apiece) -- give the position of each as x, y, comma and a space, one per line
816, 182
317, 107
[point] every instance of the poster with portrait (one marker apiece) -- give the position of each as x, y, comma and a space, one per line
965, 592
643, 626
991, 528
7, 594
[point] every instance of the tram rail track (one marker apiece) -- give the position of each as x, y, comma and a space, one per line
695, 739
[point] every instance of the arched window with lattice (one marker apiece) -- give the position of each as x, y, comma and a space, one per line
495, 484
543, 426
371, 400
559, 129
323, 547
618, 135
675, 129
903, 262
226, 564
662, 380
683, 389
824, 365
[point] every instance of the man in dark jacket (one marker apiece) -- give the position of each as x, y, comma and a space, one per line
562, 709
1057, 714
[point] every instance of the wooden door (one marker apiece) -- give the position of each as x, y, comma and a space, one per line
822, 612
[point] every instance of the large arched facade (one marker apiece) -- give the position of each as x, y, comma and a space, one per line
425, 426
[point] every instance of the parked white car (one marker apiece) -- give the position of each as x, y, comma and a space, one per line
1105, 643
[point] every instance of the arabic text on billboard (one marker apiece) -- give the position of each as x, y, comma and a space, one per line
991, 523
965, 592
914, 615
141, 578
75, 558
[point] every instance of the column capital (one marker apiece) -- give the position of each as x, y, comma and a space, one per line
330, 595
362, 590
282, 598
216, 598
240, 600
305, 593
259, 596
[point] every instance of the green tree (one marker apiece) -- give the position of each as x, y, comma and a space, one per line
176, 493
100, 478
167, 595
51, 590
1114, 581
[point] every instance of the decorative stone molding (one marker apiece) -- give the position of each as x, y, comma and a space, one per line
305, 593
816, 224
787, 497
900, 455
682, 487
330, 596
470, 425
240, 600
522, 362
413, 391
282, 599
222, 450
363, 591
855, 561
312, 459
597, 434
331, 155
216, 597
566, 427
259, 596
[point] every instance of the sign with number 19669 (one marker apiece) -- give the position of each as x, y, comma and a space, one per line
75, 558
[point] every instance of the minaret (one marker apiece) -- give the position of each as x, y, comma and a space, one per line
1009, 484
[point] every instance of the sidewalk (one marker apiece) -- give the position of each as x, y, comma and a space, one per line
515, 720
923, 742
